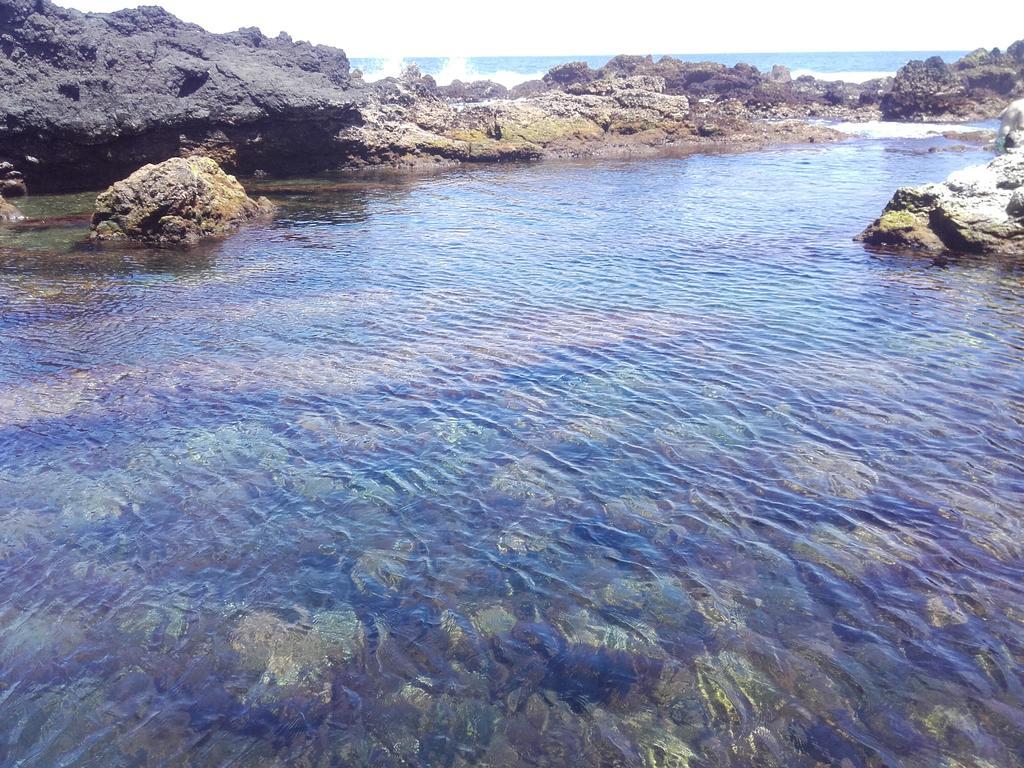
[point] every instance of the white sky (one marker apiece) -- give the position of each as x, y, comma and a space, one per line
569, 27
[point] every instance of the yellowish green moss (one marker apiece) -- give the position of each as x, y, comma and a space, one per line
898, 220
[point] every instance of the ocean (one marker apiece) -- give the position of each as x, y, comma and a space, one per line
855, 66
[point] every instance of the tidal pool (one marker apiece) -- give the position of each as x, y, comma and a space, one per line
614, 464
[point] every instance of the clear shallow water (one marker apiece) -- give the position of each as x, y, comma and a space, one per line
639, 464
852, 66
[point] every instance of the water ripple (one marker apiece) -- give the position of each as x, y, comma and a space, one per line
636, 464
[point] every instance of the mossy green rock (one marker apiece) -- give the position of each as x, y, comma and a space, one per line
180, 201
976, 210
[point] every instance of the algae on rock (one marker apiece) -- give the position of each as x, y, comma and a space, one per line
182, 200
976, 210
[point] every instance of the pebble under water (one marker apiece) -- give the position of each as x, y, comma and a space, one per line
612, 463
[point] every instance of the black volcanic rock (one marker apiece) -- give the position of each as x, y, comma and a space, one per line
529, 88
922, 88
708, 81
476, 91
93, 96
89, 98
977, 86
626, 66
573, 73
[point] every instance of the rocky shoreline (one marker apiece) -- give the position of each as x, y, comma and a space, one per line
92, 97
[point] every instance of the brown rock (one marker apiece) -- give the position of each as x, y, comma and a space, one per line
8, 212
182, 200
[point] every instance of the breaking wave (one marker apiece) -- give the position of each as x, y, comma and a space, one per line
463, 69
846, 77
446, 70
880, 129
378, 69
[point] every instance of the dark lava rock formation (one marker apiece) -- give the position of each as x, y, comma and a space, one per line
977, 86
179, 201
94, 96
976, 210
89, 98
767, 94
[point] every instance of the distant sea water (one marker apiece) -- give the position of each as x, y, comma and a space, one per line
857, 66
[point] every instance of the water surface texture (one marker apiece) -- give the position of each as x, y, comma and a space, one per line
613, 464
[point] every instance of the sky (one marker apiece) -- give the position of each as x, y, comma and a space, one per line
568, 27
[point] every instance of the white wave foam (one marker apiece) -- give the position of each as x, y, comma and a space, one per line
462, 69
880, 129
848, 77
391, 66
452, 69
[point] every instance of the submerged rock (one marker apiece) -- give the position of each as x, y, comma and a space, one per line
182, 200
296, 656
493, 621
244, 445
378, 571
976, 210
815, 469
663, 598
517, 540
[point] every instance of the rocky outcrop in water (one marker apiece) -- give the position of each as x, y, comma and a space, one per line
976, 210
476, 91
975, 87
8, 212
12, 182
180, 201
